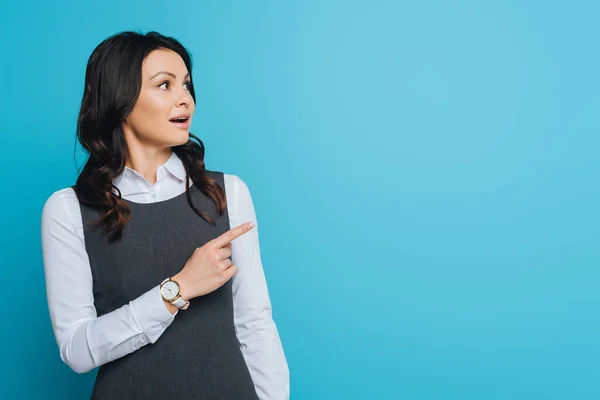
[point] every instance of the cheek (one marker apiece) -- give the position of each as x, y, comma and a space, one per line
154, 106
149, 114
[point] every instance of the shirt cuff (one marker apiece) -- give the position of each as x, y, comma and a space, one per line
151, 314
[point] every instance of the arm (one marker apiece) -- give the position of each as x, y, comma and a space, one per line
85, 340
255, 328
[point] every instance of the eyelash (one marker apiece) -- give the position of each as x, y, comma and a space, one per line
186, 82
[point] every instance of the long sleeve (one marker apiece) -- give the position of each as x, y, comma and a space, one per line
255, 328
85, 340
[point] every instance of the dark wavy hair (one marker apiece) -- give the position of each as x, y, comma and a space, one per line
113, 81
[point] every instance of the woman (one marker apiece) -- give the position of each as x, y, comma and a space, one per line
152, 262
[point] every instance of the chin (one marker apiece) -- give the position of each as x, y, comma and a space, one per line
181, 138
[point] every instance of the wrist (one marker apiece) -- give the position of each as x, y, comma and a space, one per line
171, 307
170, 290
183, 288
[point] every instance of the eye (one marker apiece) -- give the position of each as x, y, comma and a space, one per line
165, 83
189, 85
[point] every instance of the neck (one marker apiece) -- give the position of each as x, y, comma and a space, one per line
147, 161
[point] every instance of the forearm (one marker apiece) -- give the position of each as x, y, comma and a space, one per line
267, 364
94, 341
84, 339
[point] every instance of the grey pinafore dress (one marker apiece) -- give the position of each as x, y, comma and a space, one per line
198, 356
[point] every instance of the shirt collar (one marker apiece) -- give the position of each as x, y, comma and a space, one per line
173, 165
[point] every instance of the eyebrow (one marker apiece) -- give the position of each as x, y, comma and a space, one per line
168, 73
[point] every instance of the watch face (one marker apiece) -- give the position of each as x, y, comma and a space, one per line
170, 290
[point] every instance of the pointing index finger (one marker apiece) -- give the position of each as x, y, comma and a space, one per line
232, 234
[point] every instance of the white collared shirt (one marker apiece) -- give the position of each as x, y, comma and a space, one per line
87, 341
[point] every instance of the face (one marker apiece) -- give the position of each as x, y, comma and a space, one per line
164, 96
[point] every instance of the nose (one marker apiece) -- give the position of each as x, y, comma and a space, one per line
184, 98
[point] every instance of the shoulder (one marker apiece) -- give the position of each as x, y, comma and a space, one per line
235, 186
61, 205
228, 178
239, 200
60, 200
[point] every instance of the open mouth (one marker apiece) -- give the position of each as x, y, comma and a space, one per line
181, 121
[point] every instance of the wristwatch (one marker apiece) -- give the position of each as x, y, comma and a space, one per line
169, 290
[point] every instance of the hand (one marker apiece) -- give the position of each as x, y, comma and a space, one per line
209, 266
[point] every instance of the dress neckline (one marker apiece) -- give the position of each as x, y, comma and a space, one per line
182, 194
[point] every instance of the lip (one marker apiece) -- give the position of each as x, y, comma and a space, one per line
182, 125
188, 116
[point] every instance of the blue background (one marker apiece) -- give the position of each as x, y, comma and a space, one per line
425, 175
